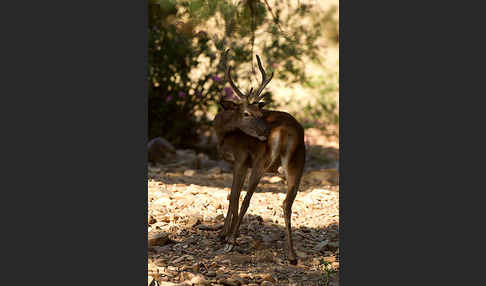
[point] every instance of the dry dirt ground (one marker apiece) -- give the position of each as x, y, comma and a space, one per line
186, 209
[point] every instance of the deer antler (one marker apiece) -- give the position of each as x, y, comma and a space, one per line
239, 94
265, 81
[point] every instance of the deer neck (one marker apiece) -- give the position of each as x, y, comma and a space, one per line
223, 124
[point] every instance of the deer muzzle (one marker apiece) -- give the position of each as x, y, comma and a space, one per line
256, 128
263, 130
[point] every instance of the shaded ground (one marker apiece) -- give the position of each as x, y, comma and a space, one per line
187, 209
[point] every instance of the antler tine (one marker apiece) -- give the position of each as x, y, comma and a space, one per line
239, 94
265, 80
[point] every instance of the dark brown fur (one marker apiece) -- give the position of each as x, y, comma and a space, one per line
285, 147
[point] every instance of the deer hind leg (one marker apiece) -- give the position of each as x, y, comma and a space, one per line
257, 172
294, 169
239, 175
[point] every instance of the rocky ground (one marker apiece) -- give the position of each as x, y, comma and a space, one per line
187, 202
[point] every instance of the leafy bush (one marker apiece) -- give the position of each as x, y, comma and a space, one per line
173, 97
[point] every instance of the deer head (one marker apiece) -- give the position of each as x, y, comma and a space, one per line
245, 110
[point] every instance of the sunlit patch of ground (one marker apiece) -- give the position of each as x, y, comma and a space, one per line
187, 207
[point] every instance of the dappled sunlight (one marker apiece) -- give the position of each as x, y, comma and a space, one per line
190, 210
189, 183
193, 250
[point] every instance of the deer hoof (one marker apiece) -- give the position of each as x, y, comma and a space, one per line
228, 247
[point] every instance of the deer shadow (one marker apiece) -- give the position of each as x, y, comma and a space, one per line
320, 171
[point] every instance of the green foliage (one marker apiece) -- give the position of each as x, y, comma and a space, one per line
173, 97
326, 267
325, 110
185, 71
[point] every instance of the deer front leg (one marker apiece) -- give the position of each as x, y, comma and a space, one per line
239, 175
257, 172
227, 224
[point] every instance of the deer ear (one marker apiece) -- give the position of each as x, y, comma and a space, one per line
261, 104
228, 105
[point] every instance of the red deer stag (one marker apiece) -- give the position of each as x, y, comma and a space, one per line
280, 143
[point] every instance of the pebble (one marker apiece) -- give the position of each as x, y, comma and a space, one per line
215, 170
189, 173
211, 273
